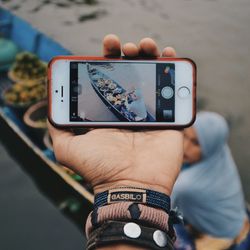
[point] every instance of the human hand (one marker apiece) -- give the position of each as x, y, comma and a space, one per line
112, 157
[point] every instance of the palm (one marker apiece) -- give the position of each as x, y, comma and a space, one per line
113, 155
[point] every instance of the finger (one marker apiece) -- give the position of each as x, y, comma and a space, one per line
130, 50
148, 47
169, 52
111, 46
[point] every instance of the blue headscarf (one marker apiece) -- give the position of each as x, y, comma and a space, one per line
209, 193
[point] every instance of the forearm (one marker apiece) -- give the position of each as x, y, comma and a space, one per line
121, 247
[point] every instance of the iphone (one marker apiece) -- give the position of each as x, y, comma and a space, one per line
108, 92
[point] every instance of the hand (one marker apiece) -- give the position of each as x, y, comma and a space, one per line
113, 157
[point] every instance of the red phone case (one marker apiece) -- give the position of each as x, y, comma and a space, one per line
127, 125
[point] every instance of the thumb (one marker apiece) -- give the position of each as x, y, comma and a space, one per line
56, 133
61, 140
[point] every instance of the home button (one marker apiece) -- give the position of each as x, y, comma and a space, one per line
183, 92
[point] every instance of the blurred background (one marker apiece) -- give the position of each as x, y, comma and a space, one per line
44, 204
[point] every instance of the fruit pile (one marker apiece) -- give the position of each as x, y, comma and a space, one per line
29, 73
25, 93
28, 66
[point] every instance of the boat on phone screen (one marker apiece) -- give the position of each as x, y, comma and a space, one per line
126, 105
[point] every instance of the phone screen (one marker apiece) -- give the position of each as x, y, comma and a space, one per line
122, 91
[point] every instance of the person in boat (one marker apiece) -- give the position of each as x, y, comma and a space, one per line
208, 191
137, 105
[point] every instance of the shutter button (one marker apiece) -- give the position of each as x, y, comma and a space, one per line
167, 92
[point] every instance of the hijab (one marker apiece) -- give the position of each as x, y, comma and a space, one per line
209, 192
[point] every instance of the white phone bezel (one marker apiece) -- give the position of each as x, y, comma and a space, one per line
60, 77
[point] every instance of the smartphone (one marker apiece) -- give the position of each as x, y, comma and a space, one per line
108, 92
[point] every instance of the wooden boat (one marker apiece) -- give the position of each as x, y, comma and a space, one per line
117, 99
55, 180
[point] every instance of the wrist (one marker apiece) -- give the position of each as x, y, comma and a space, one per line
167, 189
